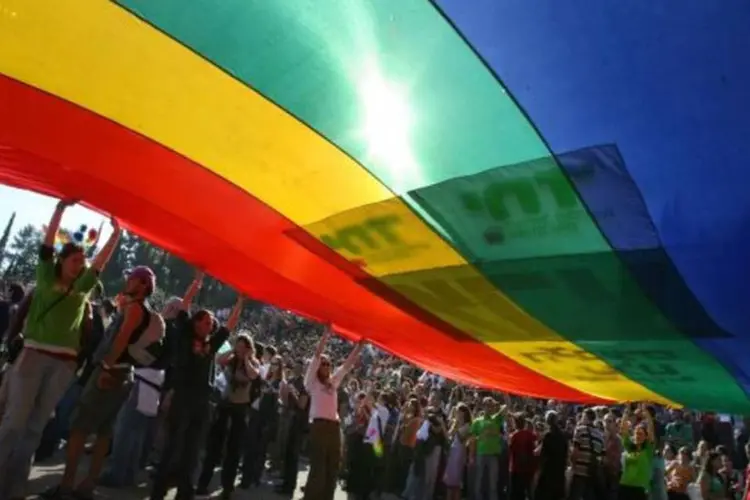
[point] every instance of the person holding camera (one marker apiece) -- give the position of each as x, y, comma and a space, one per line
240, 368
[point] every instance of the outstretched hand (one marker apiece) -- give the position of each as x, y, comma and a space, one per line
66, 202
327, 331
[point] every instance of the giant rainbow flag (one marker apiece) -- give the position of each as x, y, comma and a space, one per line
545, 197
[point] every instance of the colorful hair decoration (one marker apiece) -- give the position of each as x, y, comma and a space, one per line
84, 237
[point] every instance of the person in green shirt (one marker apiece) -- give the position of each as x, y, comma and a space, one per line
487, 444
638, 456
46, 366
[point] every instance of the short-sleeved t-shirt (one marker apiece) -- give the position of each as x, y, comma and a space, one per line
637, 465
488, 432
54, 323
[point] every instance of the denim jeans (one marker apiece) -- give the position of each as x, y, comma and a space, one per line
36, 383
486, 472
130, 434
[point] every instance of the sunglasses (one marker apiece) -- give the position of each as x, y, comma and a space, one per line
325, 363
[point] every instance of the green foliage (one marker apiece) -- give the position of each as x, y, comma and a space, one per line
173, 275
4, 238
22, 254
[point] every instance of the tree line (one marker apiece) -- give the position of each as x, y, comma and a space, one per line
18, 258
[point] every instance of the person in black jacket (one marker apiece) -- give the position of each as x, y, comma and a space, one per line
192, 379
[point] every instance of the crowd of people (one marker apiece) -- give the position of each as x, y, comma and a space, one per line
182, 392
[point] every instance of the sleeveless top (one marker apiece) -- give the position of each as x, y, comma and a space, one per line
108, 338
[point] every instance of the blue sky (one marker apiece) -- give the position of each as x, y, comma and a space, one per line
32, 208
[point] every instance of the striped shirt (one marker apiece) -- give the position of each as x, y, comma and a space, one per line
589, 445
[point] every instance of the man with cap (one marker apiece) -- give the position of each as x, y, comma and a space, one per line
109, 385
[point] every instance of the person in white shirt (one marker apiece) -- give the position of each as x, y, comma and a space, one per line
325, 431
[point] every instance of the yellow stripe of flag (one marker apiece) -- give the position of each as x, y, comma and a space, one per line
97, 55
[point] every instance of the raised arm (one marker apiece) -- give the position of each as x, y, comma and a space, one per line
312, 368
108, 249
234, 317
502, 411
322, 343
54, 222
625, 422
649, 424
192, 291
344, 369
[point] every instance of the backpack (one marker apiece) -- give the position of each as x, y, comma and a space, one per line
147, 343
